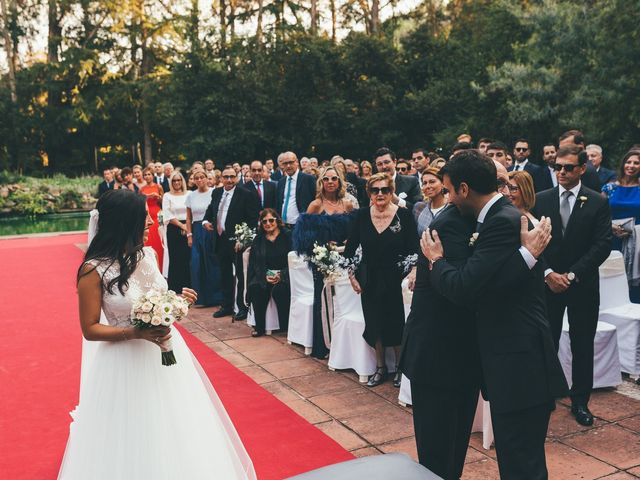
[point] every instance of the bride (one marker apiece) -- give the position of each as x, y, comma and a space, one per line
138, 419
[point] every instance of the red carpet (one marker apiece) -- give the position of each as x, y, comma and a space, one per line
40, 347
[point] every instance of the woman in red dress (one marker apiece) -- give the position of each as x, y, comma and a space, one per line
154, 192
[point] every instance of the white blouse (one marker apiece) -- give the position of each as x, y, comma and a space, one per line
198, 203
174, 206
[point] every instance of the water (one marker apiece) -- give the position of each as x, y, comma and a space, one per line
56, 222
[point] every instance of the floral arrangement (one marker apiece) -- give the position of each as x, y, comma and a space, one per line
327, 260
244, 235
160, 308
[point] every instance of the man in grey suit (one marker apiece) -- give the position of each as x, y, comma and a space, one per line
407, 187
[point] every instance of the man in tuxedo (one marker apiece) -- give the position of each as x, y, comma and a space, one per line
582, 237
407, 191
108, 182
264, 191
296, 189
229, 207
521, 372
547, 175
521, 162
594, 152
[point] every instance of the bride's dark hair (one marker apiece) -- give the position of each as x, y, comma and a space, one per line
122, 216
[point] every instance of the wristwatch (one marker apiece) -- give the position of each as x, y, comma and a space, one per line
571, 276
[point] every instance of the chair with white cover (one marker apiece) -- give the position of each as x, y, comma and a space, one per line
606, 360
349, 350
616, 309
301, 311
272, 323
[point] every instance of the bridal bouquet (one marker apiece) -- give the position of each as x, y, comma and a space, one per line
160, 308
327, 260
244, 235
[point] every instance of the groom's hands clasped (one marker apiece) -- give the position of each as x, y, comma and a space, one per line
537, 239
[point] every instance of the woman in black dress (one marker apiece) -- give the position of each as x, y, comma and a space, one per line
268, 271
387, 235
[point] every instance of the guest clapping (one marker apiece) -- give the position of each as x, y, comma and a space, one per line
387, 235
522, 193
174, 212
267, 273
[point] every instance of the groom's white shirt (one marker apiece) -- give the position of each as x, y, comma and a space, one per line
529, 259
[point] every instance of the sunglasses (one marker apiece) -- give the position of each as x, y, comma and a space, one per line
330, 179
521, 149
228, 177
402, 169
568, 167
176, 180
268, 220
513, 188
380, 190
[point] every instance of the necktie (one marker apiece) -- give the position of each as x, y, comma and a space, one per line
223, 203
259, 194
287, 197
565, 209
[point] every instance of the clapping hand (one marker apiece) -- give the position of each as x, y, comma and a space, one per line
431, 245
537, 239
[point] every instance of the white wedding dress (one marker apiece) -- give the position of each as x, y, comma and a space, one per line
140, 420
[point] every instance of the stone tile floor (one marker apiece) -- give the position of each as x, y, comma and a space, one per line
369, 421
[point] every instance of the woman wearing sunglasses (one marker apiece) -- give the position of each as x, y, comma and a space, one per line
331, 196
387, 235
267, 272
522, 193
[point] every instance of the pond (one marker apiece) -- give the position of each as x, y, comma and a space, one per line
56, 222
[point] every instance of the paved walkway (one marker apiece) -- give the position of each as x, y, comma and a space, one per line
369, 421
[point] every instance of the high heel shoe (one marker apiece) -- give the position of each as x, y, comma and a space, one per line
397, 378
377, 378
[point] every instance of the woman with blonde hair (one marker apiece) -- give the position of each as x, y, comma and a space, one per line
366, 170
331, 196
174, 213
522, 193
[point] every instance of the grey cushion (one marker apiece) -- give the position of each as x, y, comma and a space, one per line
393, 466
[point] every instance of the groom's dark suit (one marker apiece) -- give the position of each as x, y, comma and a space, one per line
440, 357
521, 372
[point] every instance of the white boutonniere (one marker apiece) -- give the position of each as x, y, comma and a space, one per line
472, 240
402, 195
583, 200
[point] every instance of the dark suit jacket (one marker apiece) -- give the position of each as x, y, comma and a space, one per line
276, 175
305, 191
440, 336
164, 183
243, 208
544, 180
519, 362
587, 239
533, 170
105, 186
606, 175
590, 179
361, 186
268, 193
409, 185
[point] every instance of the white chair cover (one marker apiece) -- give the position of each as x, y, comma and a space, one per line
617, 310
482, 423
93, 225
272, 321
404, 396
301, 310
606, 361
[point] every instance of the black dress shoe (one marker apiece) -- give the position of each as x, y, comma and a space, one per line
257, 334
223, 312
583, 416
241, 315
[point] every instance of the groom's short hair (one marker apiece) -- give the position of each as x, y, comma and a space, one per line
473, 168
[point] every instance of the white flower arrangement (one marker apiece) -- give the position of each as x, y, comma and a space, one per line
472, 240
327, 260
582, 199
244, 235
160, 308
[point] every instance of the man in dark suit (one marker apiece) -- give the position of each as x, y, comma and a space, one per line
547, 175
590, 178
521, 162
581, 241
435, 351
229, 207
407, 191
108, 182
264, 191
606, 175
296, 190
513, 333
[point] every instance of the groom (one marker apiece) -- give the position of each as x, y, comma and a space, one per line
520, 370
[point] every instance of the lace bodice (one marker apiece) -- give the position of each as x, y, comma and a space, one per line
147, 276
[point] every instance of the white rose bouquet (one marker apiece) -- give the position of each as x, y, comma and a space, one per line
327, 260
160, 308
244, 235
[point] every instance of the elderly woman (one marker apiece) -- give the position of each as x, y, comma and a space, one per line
436, 199
267, 272
387, 235
522, 193
174, 213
